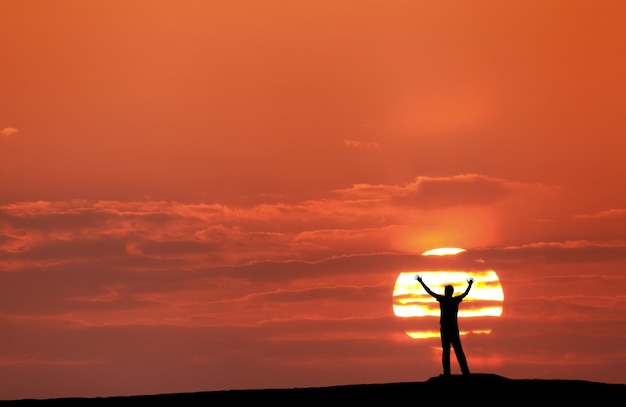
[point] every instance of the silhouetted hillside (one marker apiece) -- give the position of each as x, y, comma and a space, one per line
480, 389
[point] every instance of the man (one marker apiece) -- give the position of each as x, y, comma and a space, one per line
449, 309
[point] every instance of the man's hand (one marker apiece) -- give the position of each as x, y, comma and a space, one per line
470, 281
418, 278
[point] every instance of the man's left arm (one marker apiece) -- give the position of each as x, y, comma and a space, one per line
470, 281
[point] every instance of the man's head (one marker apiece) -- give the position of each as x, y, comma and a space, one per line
449, 290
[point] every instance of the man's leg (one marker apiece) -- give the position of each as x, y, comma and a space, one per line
445, 354
460, 355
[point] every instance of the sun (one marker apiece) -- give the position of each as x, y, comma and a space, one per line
420, 312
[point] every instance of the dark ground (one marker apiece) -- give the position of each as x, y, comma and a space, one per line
476, 389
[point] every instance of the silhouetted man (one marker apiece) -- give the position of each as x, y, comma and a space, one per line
449, 308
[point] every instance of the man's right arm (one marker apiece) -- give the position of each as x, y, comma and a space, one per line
428, 290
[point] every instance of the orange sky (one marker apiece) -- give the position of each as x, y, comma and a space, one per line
202, 195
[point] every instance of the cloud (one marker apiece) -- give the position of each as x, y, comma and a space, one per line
8, 131
360, 144
207, 234
359, 220
438, 192
568, 252
609, 213
338, 293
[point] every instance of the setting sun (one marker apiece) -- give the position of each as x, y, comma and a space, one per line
485, 300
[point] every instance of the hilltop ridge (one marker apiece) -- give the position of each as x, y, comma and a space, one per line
487, 389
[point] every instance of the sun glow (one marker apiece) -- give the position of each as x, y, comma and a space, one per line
412, 303
443, 251
435, 334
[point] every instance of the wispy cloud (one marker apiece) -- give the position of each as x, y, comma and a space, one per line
8, 131
358, 220
427, 192
360, 144
609, 213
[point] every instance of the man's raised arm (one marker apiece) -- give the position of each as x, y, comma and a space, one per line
428, 290
470, 281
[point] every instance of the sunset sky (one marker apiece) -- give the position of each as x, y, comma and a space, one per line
202, 195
